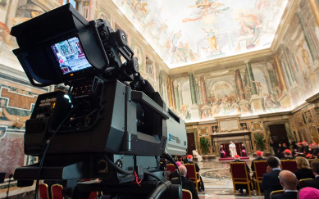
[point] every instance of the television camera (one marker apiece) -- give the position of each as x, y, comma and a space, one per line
111, 125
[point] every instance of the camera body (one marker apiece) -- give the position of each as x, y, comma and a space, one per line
110, 111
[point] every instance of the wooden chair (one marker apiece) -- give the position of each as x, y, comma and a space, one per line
192, 174
260, 169
56, 191
93, 195
276, 192
302, 180
171, 168
43, 191
239, 175
187, 194
290, 165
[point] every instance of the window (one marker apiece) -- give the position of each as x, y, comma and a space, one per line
73, 2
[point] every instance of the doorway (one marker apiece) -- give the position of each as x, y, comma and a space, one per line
191, 143
278, 134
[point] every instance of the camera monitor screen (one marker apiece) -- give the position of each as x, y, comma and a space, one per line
70, 55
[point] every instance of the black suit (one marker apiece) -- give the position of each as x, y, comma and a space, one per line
270, 183
304, 173
189, 185
257, 159
286, 195
312, 183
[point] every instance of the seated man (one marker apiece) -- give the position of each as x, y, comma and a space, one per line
187, 184
175, 174
270, 180
287, 155
289, 183
190, 161
315, 182
259, 155
241, 187
196, 155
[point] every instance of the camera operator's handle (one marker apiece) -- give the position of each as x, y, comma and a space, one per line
140, 97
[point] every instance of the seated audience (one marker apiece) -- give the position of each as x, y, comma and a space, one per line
241, 187
187, 184
289, 183
270, 180
175, 174
287, 155
190, 161
315, 150
304, 170
259, 155
309, 193
315, 182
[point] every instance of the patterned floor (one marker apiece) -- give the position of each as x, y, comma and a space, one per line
217, 181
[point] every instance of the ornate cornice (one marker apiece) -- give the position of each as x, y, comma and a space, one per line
235, 60
285, 21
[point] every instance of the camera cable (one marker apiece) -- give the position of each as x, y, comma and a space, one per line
48, 146
170, 158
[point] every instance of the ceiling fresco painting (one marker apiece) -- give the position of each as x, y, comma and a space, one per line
184, 32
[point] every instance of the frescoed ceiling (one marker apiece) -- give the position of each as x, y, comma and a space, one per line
185, 32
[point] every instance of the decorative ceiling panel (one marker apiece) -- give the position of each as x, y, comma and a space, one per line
185, 32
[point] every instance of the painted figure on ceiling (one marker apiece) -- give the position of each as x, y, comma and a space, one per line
211, 38
203, 8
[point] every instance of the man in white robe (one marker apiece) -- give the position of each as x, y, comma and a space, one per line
196, 155
232, 149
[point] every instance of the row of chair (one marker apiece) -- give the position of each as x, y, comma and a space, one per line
56, 192
282, 191
239, 172
191, 173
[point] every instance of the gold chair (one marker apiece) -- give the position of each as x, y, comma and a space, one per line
302, 180
276, 192
192, 174
290, 165
239, 175
260, 169
56, 191
187, 194
43, 191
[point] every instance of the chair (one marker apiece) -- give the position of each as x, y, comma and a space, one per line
187, 194
56, 191
239, 175
290, 165
302, 180
93, 195
260, 169
192, 174
171, 168
276, 192
43, 191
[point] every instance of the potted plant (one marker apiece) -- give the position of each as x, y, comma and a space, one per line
204, 144
259, 141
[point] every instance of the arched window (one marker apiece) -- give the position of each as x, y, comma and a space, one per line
73, 2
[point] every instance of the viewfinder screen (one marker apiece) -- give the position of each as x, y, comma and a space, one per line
70, 55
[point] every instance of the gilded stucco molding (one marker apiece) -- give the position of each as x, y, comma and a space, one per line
286, 19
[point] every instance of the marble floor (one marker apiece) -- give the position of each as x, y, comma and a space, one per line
217, 180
